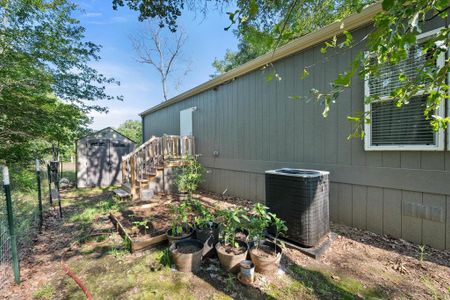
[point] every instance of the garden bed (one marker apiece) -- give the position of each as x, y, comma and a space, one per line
145, 225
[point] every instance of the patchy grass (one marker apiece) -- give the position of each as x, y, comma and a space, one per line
117, 275
324, 285
304, 283
44, 292
69, 174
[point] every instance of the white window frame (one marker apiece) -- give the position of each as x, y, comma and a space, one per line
440, 136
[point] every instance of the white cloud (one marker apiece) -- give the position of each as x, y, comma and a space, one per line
93, 14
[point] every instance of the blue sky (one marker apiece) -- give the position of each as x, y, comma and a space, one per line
140, 84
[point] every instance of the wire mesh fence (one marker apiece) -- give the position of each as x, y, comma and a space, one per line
25, 207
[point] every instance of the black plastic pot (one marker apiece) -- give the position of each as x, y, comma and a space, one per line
240, 232
187, 233
209, 237
187, 262
229, 261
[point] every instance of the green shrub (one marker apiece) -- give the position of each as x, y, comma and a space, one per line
189, 176
179, 218
231, 220
203, 217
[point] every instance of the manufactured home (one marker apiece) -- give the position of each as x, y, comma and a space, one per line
396, 181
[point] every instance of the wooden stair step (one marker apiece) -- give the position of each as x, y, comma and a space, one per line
121, 193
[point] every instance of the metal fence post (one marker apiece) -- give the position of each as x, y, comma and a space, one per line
59, 198
12, 233
38, 176
49, 176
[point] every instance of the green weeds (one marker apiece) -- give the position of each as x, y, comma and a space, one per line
44, 292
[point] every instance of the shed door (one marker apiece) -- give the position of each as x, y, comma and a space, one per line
186, 121
97, 173
117, 149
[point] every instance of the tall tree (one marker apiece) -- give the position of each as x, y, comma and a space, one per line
395, 30
131, 129
46, 83
163, 53
258, 36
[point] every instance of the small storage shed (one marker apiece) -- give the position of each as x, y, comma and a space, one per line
99, 157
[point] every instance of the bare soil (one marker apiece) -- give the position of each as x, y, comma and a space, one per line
264, 251
232, 250
157, 216
186, 249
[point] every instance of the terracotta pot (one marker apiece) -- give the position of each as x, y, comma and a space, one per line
266, 264
229, 261
209, 237
187, 262
187, 233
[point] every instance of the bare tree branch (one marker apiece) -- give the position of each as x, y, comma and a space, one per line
153, 49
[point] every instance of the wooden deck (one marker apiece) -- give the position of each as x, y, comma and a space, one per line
148, 162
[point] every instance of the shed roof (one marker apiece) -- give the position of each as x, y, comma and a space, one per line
104, 129
351, 22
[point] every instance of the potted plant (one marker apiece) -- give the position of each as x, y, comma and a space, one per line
189, 176
179, 229
256, 225
266, 255
206, 229
187, 254
230, 250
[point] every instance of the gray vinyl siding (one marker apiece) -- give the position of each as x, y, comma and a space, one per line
255, 127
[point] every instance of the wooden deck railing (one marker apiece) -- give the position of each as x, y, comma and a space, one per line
154, 153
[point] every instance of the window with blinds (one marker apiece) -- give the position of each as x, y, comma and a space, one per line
405, 127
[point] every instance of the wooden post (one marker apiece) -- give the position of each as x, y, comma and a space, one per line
124, 171
133, 176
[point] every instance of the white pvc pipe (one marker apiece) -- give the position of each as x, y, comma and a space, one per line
37, 165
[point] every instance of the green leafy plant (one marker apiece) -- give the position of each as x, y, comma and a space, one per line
422, 252
259, 221
180, 219
189, 176
231, 220
203, 217
143, 224
280, 229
